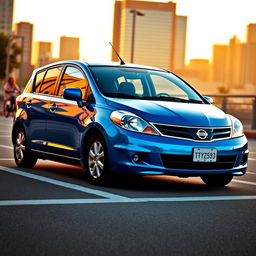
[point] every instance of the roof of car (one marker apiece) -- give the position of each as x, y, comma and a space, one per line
102, 64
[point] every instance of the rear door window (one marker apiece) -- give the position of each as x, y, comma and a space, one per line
50, 80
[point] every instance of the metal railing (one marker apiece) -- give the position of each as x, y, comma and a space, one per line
241, 106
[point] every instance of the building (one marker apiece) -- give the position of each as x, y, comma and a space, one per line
6, 16
219, 62
42, 53
251, 33
180, 42
25, 30
159, 35
200, 68
248, 65
233, 67
69, 48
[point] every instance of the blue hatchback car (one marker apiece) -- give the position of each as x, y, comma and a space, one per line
128, 119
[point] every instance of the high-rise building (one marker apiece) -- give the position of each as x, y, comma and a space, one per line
6, 16
25, 30
69, 48
159, 35
219, 62
42, 53
180, 42
233, 68
248, 74
251, 33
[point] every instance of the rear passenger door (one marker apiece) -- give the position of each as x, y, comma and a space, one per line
67, 121
37, 106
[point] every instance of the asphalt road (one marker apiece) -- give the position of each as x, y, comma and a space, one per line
54, 210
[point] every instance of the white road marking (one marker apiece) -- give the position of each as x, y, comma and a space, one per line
124, 200
251, 173
252, 159
6, 159
5, 136
63, 184
4, 146
245, 182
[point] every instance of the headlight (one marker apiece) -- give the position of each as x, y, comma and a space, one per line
237, 127
131, 122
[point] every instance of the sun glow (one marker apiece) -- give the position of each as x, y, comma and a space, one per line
209, 22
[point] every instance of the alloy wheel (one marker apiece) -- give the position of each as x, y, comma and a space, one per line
96, 159
20, 147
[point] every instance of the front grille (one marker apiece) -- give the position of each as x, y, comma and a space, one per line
190, 133
186, 162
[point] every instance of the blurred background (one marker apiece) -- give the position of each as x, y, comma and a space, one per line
209, 43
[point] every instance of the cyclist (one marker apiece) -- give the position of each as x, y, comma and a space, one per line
10, 90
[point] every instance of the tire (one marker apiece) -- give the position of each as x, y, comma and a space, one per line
217, 180
6, 112
22, 155
97, 160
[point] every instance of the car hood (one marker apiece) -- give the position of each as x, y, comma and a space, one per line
177, 113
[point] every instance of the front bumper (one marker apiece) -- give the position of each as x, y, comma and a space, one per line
131, 152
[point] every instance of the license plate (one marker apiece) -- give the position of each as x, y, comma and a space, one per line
205, 155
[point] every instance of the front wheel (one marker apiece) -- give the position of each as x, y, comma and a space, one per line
217, 180
22, 155
96, 160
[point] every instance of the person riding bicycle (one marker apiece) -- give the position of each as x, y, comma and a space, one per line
10, 90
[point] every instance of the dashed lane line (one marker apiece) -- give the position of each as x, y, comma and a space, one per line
63, 184
124, 200
245, 182
4, 146
251, 173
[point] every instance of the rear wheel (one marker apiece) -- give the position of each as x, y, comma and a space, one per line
217, 179
96, 160
22, 155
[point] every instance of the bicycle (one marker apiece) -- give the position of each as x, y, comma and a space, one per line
10, 107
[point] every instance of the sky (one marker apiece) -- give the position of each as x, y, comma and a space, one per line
209, 22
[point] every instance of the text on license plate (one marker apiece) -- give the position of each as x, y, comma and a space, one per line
204, 155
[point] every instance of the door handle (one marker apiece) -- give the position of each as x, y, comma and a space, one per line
53, 107
29, 104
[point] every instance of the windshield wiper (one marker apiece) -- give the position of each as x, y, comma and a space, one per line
121, 95
170, 98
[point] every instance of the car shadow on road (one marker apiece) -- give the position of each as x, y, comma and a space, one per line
128, 182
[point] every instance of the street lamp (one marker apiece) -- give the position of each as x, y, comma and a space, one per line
135, 13
8, 48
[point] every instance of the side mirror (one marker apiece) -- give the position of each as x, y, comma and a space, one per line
73, 94
208, 99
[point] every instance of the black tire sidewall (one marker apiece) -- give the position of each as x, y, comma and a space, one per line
29, 159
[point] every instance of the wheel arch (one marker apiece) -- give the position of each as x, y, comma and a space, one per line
94, 129
15, 127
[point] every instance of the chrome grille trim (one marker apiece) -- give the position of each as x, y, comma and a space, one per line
184, 132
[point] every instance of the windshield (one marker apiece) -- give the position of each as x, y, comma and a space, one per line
146, 84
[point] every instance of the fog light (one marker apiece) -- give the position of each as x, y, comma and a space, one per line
136, 158
244, 159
